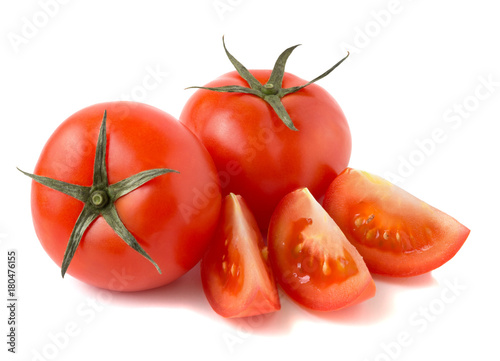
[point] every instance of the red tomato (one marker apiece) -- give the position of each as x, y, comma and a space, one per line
172, 216
237, 278
255, 153
312, 259
396, 233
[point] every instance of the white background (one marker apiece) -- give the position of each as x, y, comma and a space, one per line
417, 69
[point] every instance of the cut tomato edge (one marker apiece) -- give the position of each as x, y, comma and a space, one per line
261, 303
406, 266
365, 293
267, 301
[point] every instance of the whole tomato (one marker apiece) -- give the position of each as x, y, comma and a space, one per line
269, 133
124, 197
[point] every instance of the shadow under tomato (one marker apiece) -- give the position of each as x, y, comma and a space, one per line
282, 321
423, 280
379, 307
275, 323
185, 292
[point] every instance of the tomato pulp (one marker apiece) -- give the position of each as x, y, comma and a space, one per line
313, 261
235, 271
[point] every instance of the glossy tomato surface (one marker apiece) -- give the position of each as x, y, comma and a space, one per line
313, 261
396, 233
172, 216
256, 155
236, 275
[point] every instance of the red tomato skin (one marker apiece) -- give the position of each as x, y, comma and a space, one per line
349, 189
238, 238
172, 217
256, 155
353, 290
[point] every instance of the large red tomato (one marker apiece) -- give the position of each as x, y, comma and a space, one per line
170, 217
256, 154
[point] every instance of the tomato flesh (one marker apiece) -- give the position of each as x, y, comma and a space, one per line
236, 275
396, 233
313, 261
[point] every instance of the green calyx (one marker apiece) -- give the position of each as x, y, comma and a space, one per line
272, 91
99, 199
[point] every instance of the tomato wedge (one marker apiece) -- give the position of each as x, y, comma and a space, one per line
396, 233
313, 261
236, 276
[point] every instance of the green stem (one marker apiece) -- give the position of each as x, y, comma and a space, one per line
99, 199
272, 91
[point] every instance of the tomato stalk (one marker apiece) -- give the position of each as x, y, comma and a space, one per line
99, 199
272, 91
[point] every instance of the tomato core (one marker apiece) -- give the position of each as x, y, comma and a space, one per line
99, 198
318, 260
231, 269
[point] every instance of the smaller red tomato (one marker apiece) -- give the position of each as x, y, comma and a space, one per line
313, 261
396, 233
235, 272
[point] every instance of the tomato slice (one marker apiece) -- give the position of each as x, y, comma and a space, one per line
396, 233
313, 261
236, 275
